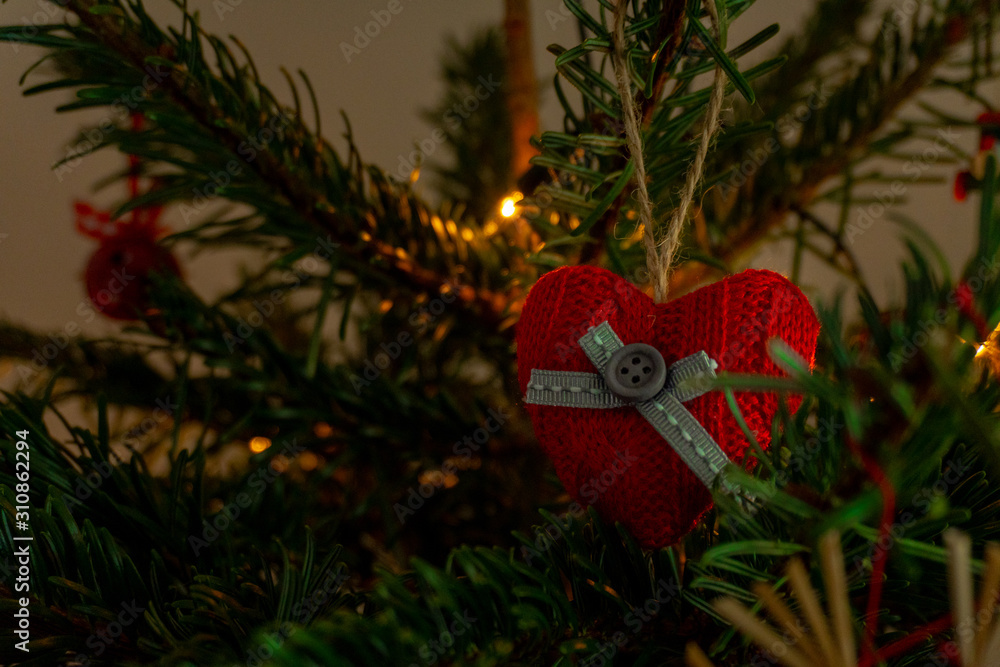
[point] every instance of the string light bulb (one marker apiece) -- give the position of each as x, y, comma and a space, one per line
988, 352
508, 208
259, 443
308, 461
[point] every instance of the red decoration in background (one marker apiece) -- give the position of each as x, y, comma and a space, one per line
964, 182
965, 299
971, 179
118, 274
888, 493
653, 493
989, 132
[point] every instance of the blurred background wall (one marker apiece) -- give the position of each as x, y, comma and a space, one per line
381, 89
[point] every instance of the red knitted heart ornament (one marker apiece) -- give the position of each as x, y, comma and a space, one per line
613, 458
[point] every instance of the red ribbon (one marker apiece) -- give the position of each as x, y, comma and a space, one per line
99, 225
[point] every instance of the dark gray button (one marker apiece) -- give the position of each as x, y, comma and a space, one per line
636, 372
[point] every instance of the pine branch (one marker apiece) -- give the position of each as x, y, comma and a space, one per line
853, 266
924, 411
749, 232
188, 95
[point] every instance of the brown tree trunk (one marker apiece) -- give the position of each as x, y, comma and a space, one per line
522, 90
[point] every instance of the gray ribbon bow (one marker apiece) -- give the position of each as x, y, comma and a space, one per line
686, 379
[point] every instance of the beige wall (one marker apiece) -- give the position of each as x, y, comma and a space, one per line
42, 258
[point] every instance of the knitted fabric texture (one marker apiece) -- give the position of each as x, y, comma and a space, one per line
613, 459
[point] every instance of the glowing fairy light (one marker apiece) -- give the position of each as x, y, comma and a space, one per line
508, 208
259, 444
308, 461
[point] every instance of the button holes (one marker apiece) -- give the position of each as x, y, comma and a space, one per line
636, 361
624, 371
635, 379
647, 370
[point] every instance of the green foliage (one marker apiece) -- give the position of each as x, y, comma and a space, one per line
587, 155
464, 578
111, 537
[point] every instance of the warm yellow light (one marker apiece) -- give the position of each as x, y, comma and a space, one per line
323, 430
308, 461
259, 444
508, 208
438, 478
980, 349
430, 477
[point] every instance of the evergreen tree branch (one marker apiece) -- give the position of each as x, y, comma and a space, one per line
771, 210
915, 400
853, 266
186, 92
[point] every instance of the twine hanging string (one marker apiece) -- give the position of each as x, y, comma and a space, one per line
660, 254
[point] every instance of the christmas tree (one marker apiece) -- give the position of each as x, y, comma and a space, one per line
343, 460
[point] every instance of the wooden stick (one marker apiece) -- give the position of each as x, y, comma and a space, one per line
522, 94
960, 590
759, 632
804, 593
988, 592
832, 561
780, 612
695, 657
991, 651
